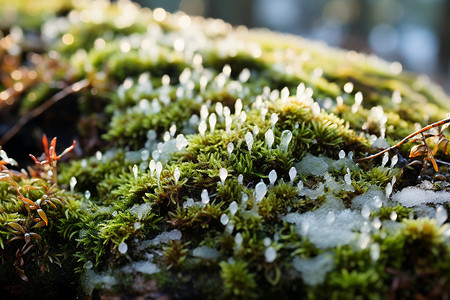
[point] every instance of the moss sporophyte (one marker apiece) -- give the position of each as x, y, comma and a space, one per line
213, 162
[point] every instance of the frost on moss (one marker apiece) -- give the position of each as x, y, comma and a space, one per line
219, 162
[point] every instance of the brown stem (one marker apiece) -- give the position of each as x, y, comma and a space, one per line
73, 88
406, 139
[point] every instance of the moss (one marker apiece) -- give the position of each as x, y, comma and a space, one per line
157, 127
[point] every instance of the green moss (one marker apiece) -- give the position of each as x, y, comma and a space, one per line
148, 154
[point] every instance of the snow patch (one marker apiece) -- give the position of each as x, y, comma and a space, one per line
314, 269
206, 252
414, 196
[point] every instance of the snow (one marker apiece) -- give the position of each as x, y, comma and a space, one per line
206, 252
312, 165
373, 198
316, 225
414, 196
143, 266
314, 269
141, 210
163, 238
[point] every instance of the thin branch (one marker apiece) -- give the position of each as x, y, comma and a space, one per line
406, 139
73, 88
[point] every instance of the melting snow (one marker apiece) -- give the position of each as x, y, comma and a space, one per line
206, 252
414, 196
314, 269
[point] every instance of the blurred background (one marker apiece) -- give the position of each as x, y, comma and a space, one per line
413, 32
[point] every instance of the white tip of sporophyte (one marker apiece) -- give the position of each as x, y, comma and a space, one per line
284, 95
212, 122
230, 148
123, 248
388, 189
238, 107
249, 140
341, 154
260, 191
270, 254
152, 167
181, 142
202, 128
393, 216
205, 197
72, 183
241, 179
87, 194
244, 75
285, 139
273, 119
224, 219
228, 121
269, 138
223, 173
233, 208
204, 112
98, 155
272, 176
176, 175
292, 173
158, 168
135, 171
219, 109
394, 160
238, 239
385, 159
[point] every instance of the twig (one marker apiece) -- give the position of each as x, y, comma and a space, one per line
406, 139
73, 88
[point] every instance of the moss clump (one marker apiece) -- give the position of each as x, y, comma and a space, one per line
212, 171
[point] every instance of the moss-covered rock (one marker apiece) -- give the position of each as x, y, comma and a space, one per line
216, 162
